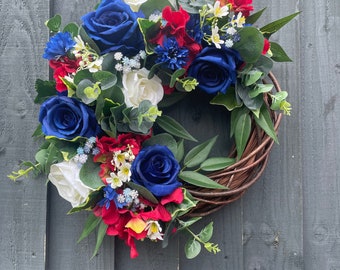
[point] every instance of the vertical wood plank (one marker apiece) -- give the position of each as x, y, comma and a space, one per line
272, 208
321, 132
23, 204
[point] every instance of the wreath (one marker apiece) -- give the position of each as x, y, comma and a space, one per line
107, 144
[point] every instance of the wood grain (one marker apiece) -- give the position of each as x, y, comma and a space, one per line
288, 220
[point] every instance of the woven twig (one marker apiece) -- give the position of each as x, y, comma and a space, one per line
241, 175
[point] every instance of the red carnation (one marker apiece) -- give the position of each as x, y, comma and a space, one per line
63, 67
244, 6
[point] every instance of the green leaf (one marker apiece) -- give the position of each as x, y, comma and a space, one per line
242, 133
199, 153
144, 192
216, 163
149, 30
106, 78
264, 64
192, 248
91, 223
72, 28
277, 98
184, 207
54, 23
273, 27
151, 6
227, 100
250, 45
45, 89
82, 75
259, 89
163, 139
252, 77
180, 150
279, 55
200, 180
187, 223
254, 17
251, 103
207, 232
171, 126
89, 175
178, 73
87, 40
266, 123
100, 237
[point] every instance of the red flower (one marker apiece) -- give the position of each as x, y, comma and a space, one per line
176, 27
108, 145
63, 67
244, 6
266, 46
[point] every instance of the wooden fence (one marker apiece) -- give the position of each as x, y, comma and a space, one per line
290, 219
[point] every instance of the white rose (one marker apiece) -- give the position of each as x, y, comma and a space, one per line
135, 4
137, 87
65, 176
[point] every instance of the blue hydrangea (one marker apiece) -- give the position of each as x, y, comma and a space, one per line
58, 45
171, 55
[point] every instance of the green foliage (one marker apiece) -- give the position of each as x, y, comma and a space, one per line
144, 192
199, 153
265, 122
100, 237
87, 40
45, 89
279, 55
273, 27
171, 126
163, 139
199, 180
149, 29
54, 23
91, 201
89, 174
216, 163
193, 245
227, 100
250, 45
91, 223
255, 16
72, 28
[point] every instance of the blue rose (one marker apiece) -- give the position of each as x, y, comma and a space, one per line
58, 45
113, 27
215, 69
156, 168
67, 118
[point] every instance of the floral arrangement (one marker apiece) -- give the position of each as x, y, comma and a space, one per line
111, 78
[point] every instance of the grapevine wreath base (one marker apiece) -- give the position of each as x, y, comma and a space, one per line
242, 174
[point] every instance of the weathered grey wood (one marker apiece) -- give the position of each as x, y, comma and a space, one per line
320, 80
288, 220
273, 209
23, 204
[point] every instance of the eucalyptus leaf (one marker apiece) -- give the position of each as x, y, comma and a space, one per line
264, 64
216, 163
89, 174
72, 28
252, 77
199, 180
207, 232
199, 153
91, 223
178, 73
251, 103
266, 123
259, 89
250, 45
106, 78
192, 248
171, 126
54, 23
